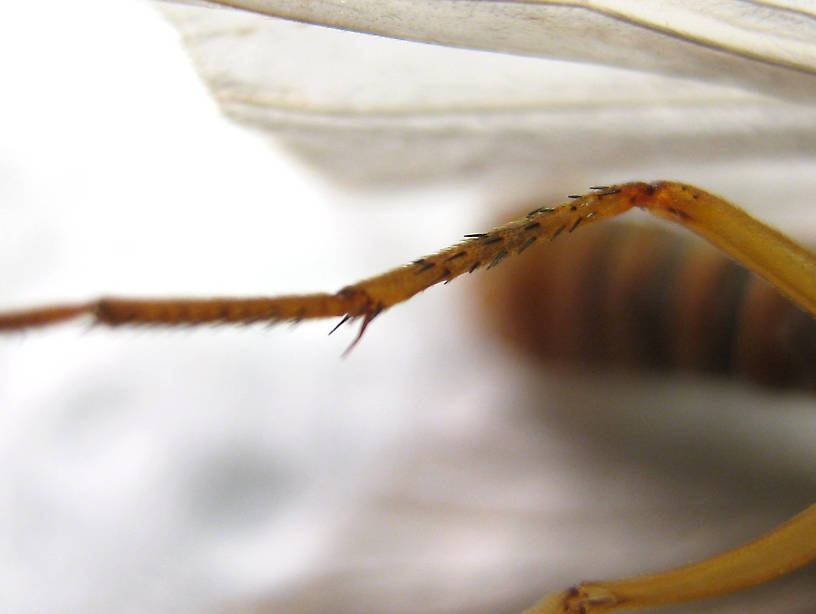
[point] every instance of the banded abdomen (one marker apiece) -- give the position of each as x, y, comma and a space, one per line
629, 296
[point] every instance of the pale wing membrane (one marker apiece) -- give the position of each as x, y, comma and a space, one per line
750, 44
368, 109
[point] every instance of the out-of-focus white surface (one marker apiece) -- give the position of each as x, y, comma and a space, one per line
221, 470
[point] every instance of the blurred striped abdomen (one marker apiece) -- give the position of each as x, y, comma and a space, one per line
627, 296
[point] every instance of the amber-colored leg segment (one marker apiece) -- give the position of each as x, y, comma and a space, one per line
42, 316
757, 246
760, 248
365, 299
766, 251
788, 547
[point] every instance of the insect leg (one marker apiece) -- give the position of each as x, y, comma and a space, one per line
760, 248
766, 251
365, 299
788, 547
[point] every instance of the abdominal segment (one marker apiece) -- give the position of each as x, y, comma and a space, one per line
624, 296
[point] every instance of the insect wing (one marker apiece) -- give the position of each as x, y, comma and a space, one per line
727, 41
371, 110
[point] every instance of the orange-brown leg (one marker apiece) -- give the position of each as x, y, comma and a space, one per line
788, 547
760, 248
365, 299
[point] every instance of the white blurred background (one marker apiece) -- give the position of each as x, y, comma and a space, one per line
255, 470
